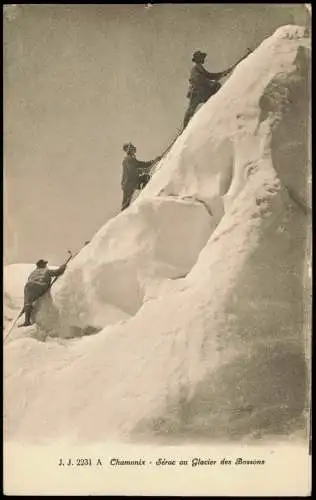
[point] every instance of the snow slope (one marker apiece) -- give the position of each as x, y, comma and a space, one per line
199, 291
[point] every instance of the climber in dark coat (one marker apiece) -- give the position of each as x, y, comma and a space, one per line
202, 84
135, 173
37, 284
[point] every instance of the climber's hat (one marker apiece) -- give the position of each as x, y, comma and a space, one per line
128, 147
41, 263
198, 56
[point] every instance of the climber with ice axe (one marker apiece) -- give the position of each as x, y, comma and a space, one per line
135, 173
203, 84
39, 281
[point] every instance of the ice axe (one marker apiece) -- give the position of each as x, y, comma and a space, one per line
167, 149
249, 51
70, 256
13, 324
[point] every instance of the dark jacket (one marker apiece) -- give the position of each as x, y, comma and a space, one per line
203, 84
132, 169
39, 282
43, 276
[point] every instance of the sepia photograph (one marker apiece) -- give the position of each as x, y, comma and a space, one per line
157, 265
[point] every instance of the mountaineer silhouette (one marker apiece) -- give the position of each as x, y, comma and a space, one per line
203, 84
37, 284
135, 173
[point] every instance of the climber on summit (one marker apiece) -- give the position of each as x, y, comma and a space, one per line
203, 84
37, 284
135, 173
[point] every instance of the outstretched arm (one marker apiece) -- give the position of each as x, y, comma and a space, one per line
215, 76
57, 272
224, 73
147, 164
218, 76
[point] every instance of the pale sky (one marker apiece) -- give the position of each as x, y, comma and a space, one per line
79, 81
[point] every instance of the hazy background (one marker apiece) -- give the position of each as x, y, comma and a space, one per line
79, 81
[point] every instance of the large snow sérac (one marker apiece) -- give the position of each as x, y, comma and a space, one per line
197, 295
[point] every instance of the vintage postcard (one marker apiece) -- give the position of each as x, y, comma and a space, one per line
157, 249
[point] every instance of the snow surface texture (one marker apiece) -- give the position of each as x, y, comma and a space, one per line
198, 291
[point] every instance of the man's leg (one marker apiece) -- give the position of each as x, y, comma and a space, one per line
127, 196
32, 291
28, 312
193, 104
